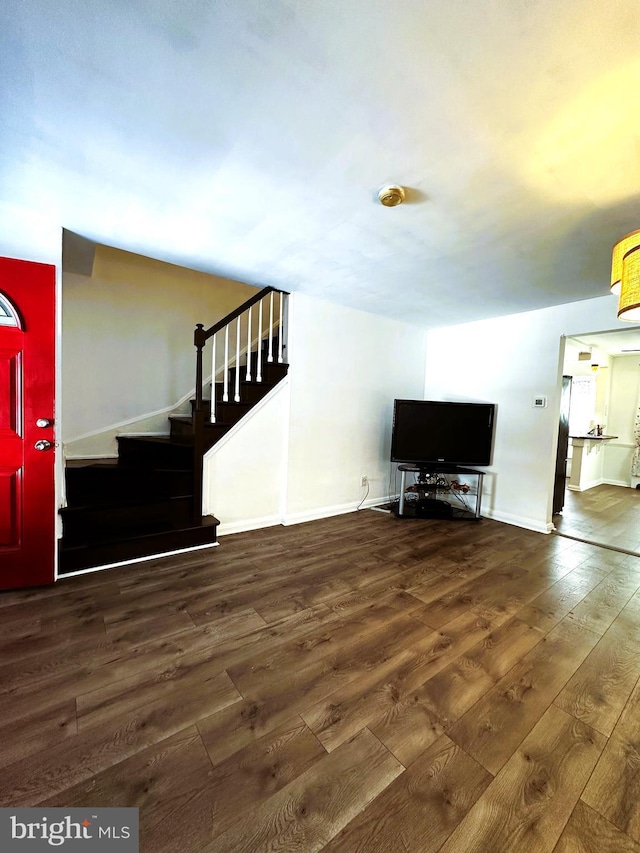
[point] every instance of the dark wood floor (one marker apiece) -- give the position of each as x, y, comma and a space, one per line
360, 683
608, 515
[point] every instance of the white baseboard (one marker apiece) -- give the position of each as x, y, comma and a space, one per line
245, 524
590, 485
328, 511
227, 528
519, 521
603, 482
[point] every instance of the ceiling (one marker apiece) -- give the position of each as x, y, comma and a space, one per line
248, 138
622, 342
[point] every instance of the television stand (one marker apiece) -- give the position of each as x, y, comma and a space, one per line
434, 483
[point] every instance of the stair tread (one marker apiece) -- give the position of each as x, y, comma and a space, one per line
262, 384
207, 401
155, 439
110, 463
116, 465
76, 556
207, 521
156, 451
122, 502
187, 419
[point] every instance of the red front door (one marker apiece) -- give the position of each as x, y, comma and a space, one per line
27, 384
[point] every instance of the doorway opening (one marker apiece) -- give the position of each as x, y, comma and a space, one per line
600, 504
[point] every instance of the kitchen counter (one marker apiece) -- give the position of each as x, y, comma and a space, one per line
592, 437
587, 464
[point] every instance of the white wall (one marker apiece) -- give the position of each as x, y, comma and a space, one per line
303, 454
623, 405
625, 395
508, 361
29, 235
347, 367
244, 475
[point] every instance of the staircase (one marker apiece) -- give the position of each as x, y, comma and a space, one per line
148, 501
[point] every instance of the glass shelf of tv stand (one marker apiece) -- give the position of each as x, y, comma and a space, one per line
428, 488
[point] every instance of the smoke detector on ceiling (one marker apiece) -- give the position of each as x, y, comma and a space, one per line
391, 195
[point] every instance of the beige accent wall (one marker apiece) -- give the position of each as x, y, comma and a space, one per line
127, 344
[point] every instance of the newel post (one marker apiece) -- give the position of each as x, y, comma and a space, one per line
199, 340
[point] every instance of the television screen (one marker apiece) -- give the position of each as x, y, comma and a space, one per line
442, 434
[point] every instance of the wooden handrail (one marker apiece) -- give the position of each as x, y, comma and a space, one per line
202, 335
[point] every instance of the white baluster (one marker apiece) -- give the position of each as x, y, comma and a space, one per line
248, 376
270, 356
225, 392
213, 380
237, 394
280, 329
259, 365
285, 329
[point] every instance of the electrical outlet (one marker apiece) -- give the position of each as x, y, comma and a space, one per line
363, 480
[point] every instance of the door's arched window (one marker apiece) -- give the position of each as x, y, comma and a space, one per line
8, 314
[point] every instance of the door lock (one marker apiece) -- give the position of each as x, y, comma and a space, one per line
43, 444
44, 422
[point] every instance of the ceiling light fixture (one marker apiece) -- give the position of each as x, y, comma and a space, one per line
391, 195
625, 276
619, 251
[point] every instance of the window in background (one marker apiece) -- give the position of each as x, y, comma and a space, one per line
583, 404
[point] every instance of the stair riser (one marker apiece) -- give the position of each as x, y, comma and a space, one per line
249, 393
102, 485
265, 352
271, 374
73, 559
227, 413
138, 454
85, 525
231, 413
181, 431
213, 432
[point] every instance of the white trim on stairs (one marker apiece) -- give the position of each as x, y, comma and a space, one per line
138, 560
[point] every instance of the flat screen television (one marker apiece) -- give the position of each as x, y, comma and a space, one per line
435, 434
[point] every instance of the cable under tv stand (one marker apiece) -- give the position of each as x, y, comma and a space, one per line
434, 480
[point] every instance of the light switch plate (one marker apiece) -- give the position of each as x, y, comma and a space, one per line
539, 402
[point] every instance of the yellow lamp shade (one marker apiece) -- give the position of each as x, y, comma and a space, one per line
629, 300
628, 242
